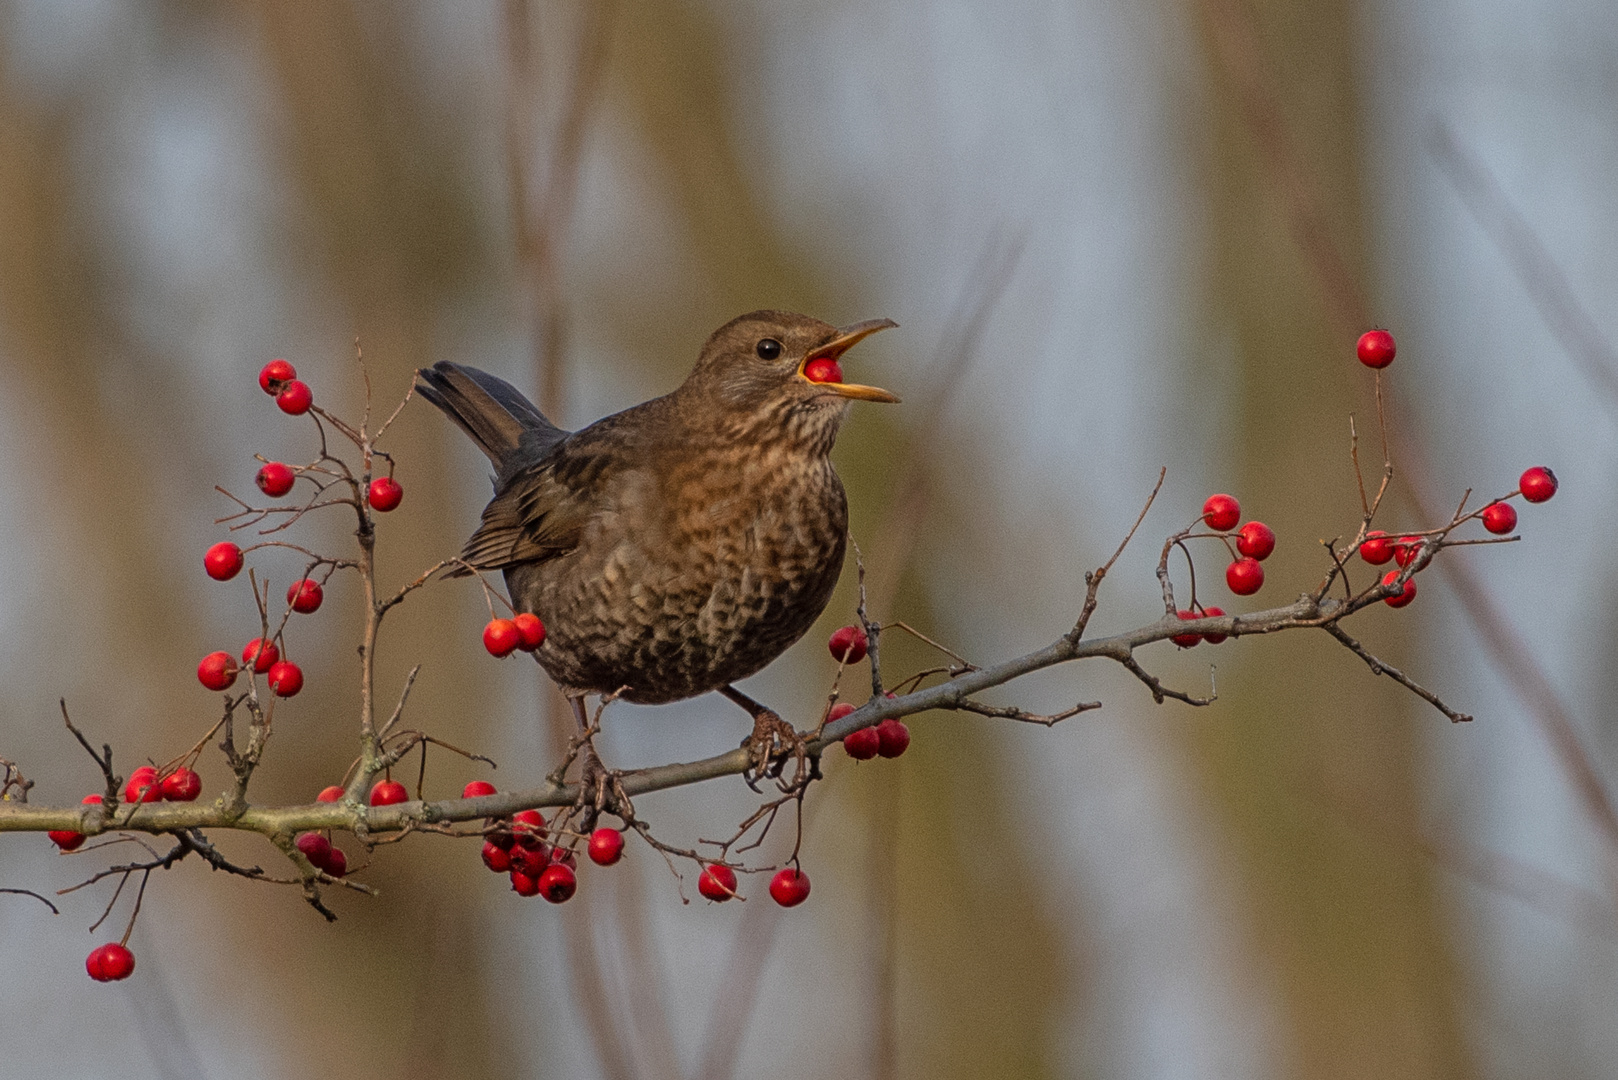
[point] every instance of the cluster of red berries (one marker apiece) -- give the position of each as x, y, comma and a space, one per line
280, 379
517, 847
524, 631
1186, 641
224, 560
888, 739
1254, 543
318, 848
1535, 485
325, 855
218, 670
144, 785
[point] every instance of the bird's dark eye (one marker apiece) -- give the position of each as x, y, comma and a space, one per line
768, 349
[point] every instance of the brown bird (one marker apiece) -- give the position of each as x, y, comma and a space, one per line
681, 545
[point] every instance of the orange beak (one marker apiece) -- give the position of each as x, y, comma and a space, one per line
847, 337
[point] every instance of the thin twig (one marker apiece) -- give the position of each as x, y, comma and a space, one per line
1381, 667
35, 895
1093, 579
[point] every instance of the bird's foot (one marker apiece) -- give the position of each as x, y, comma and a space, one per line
773, 743
601, 789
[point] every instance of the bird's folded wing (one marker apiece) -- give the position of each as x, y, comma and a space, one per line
542, 511
537, 516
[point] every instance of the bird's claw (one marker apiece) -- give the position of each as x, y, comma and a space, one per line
772, 743
600, 788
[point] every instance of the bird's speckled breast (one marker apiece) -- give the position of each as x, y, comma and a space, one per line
720, 564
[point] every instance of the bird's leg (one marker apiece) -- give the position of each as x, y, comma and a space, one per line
595, 779
772, 741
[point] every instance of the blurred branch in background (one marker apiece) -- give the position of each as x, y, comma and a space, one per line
552, 147
1546, 285
542, 212
1284, 182
1537, 272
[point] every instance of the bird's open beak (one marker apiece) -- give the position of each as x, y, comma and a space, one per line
846, 338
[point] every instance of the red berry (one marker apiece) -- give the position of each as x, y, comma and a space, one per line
305, 596
823, 369
143, 786
285, 678
217, 671
1398, 599
1376, 548
523, 884
501, 637
558, 883
477, 789
1244, 576
181, 785
275, 479
848, 645
530, 861
1500, 517
384, 494
67, 839
892, 737
1256, 540
1538, 484
260, 655
717, 883
1186, 641
496, 858
117, 962
863, 745
838, 711
223, 561
1405, 551
336, 863
275, 373
790, 887
295, 399
315, 847
330, 794
1213, 613
1376, 348
110, 962
388, 792
1221, 512
606, 846
528, 826
564, 857
530, 630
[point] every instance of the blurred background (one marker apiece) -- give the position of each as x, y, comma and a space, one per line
1117, 236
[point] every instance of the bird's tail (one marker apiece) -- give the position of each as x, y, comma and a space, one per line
505, 425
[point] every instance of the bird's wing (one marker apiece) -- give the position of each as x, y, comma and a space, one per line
540, 512
535, 516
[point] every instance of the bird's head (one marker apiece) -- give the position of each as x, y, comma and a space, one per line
783, 370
